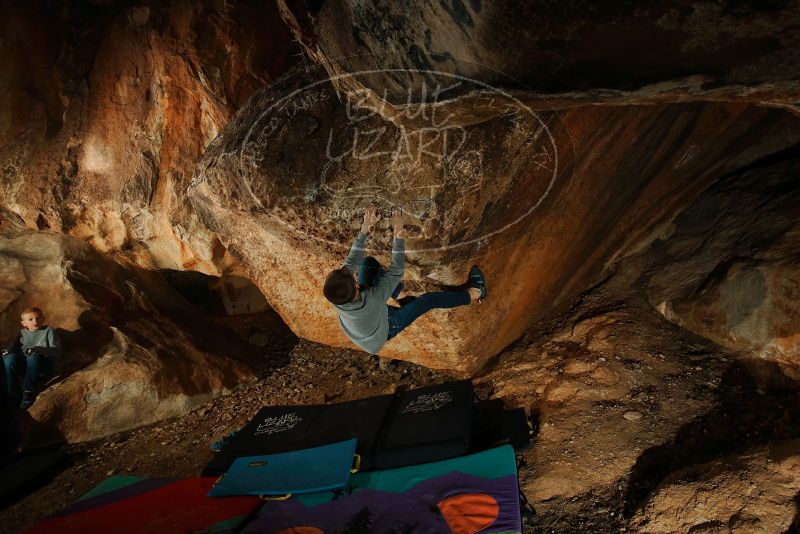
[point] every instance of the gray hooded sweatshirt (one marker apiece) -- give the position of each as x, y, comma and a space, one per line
365, 321
44, 341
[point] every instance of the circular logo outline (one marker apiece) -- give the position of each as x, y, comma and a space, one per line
282, 101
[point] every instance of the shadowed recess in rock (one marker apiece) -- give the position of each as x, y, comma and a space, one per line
746, 415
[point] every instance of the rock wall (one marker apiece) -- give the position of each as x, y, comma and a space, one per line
726, 267
563, 147
753, 492
666, 401
106, 108
603, 389
134, 351
512, 148
543, 202
567, 52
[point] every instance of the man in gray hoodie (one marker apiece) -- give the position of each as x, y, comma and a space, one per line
360, 288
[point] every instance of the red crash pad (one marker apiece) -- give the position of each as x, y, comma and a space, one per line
177, 506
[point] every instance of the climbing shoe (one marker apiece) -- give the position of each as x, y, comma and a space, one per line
222, 442
478, 280
27, 399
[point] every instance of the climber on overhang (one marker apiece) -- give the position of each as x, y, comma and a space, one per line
360, 288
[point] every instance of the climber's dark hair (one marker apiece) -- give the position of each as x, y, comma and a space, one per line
340, 288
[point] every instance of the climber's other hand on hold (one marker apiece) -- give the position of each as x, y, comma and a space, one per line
371, 217
398, 223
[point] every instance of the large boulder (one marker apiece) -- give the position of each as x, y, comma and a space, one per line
134, 351
106, 119
460, 68
628, 396
732, 274
563, 53
603, 390
626, 402
541, 201
106, 108
749, 493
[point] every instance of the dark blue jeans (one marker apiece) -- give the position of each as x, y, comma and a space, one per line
370, 272
401, 318
34, 369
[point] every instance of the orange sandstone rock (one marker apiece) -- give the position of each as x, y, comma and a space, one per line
543, 202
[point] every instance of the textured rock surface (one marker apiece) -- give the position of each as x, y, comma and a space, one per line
119, 105
135, 352
604, 390
504, 198
754, 492
627, 402
632, 196
134, 383
568, 52
240, 296
732, 274
106, 108
458, 65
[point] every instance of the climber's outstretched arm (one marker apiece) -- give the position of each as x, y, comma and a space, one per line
356, 255
394, 274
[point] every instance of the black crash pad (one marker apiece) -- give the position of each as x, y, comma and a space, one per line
427, 425
277, 429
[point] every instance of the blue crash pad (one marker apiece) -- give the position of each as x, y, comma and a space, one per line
302, 471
